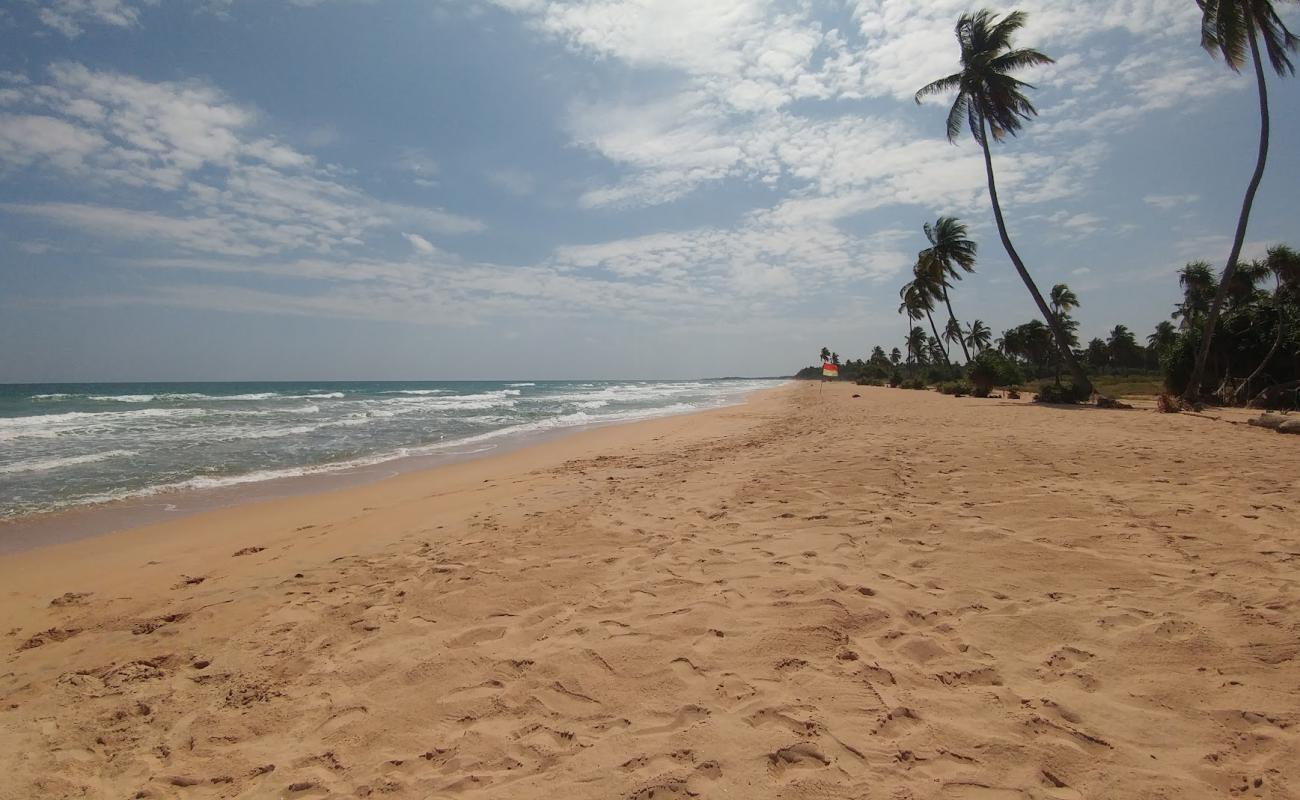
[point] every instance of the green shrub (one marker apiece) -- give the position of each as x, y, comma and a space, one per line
990, 369
915, 383
1060, 393
895, 378
957, 388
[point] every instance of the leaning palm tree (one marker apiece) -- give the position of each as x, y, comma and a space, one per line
952, 332
991, 102
978, 336
916, 342
921, 292
1064, 300
1229, 27
950, 253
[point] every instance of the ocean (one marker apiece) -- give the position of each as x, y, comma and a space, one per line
69, 445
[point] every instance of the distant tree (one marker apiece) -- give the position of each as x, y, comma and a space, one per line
1161, 339
1228, 27
916, 345
835, 359
918, 297
1123, 347
990, 102
1031, 342
878, 357
1064, 300
826, 354
1284, 264
1197, 281
1097, 354
895, 357
978, 336
952, 333
950, 254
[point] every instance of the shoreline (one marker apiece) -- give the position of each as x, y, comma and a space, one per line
813, 594
150, 507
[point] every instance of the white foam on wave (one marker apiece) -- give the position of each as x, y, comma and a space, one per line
44, 426
47, 464
521, 384
172, 397
417, 391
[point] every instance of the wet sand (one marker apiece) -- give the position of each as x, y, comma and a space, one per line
900, 595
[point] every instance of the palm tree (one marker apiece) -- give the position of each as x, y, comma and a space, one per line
1228, 27
1197, 281
1064, 300
916, 342
949, 251
1284, 264
1164, 335
978, 336
826, 354
895, 357
991, 102
952, 333
1123, 346
919, 295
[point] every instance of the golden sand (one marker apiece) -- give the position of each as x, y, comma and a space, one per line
900, 595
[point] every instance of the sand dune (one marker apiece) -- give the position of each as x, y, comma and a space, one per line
902, 595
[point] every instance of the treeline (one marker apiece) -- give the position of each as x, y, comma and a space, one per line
1255, 357
1235, 342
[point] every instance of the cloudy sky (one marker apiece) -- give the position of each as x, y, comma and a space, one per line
316, 189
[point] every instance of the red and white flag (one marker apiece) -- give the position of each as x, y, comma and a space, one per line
830, 370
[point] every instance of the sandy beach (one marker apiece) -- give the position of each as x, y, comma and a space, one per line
812, 595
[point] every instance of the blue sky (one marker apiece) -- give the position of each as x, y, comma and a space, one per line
411, 189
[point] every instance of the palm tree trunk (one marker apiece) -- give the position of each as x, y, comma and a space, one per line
935, 331
1198, 372
953, 317
1062, 341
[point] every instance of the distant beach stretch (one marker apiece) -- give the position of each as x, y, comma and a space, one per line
829, 591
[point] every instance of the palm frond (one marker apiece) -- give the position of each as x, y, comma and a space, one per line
941, 86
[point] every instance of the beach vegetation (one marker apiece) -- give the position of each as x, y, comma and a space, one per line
1231, 29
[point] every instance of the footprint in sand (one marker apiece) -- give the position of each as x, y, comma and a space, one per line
801, 755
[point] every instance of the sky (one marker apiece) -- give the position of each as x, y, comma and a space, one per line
476, 189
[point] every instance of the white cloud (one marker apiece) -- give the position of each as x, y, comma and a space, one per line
69, 17
1165, 202
421, 244
238, 191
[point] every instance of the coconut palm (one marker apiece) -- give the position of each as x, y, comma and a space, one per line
1197, 281
978, 336
1123, 347
1284, 264
919, 295
952, 332
826, 354
1230, 27
916, 343
1164, 335
950, 253
895, 357
1064, 300
990, 102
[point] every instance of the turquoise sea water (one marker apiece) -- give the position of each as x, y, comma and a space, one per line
65, 445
